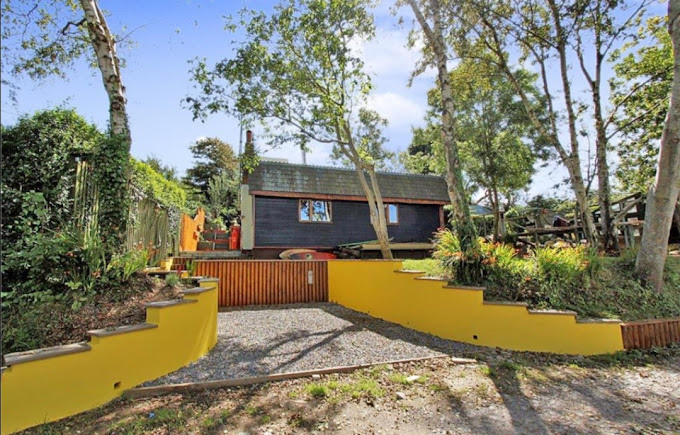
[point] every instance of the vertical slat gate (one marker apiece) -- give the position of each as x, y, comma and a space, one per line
650, 333
267, 282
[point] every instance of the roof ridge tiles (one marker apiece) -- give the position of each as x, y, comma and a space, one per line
336, 168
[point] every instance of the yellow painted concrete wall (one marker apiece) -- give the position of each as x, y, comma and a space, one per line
376, 288
49, 389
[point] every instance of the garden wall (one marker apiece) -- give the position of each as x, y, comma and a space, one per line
382, 289
49, 384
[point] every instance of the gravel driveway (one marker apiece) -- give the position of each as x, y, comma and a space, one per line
256, 341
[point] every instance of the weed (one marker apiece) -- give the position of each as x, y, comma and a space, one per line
363, 387
171, 279
488, 371
318, 391
293, 394
265, 419
398, 378
252, 410
510, 365
437, 388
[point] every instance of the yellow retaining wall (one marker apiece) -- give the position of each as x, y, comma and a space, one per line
381, 289
38, 388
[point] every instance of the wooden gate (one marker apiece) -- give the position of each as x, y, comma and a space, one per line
267, 282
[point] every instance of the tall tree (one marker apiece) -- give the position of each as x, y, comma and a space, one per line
495, 136
547, 35
663, 195
46, 39
371, 147
436, 53
212, 157
640, 92
296, 70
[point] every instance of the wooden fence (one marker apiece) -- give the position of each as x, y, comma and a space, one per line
267, 282
650, 333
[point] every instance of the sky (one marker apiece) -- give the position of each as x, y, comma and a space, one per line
168, 34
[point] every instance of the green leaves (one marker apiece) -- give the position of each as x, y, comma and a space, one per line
640, 91
294, 70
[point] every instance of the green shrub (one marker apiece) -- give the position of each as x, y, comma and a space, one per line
123, 266
171, 279
466, 267
567, 278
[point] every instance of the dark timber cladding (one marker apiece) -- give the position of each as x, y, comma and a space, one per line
278, 187
276, 224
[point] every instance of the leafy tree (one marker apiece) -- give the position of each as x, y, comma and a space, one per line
371, 147
44, 39
641, 90
212, 157
167, 171
494, 134
223, 197
296, 72
662, 198
430, 15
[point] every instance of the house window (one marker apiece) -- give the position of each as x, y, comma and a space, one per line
311, 210
392, 213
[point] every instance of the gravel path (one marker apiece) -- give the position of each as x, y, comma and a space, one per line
256, 341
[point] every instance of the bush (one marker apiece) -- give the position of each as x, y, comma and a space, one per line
566, 278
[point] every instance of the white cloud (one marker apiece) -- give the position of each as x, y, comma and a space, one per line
399, 110
386, 56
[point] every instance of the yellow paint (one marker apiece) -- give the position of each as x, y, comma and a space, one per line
373, 287
45, 390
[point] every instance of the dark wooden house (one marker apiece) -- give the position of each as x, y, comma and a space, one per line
288, 206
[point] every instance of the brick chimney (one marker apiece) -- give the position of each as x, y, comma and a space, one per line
248, 154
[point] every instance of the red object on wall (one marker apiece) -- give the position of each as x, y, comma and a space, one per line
235, 237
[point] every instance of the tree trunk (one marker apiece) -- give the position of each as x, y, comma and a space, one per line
663, 195
112, 167
376, 207
496, 215
574, 159
105, 49
462, 222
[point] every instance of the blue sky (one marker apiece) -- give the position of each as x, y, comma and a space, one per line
169, 33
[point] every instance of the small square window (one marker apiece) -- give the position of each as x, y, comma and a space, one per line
311, 210
392, 213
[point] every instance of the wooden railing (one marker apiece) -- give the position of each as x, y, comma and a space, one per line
267, 282
651, 333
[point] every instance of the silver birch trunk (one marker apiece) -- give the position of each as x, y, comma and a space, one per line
105, 50
574, 164
376, 207
663, 195
454, 177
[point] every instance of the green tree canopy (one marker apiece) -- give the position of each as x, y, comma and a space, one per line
212, 158
641, 89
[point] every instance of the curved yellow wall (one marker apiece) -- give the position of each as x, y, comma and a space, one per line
381, 289
39, 389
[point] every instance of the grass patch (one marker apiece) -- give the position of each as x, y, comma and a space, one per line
488, 371
173, 419
398, 378
430, 266
318, 391
362, 388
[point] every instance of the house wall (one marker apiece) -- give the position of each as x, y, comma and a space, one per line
277, 224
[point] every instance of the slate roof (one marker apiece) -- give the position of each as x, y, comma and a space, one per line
292, 178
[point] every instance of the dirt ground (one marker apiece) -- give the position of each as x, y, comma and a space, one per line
506, 392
